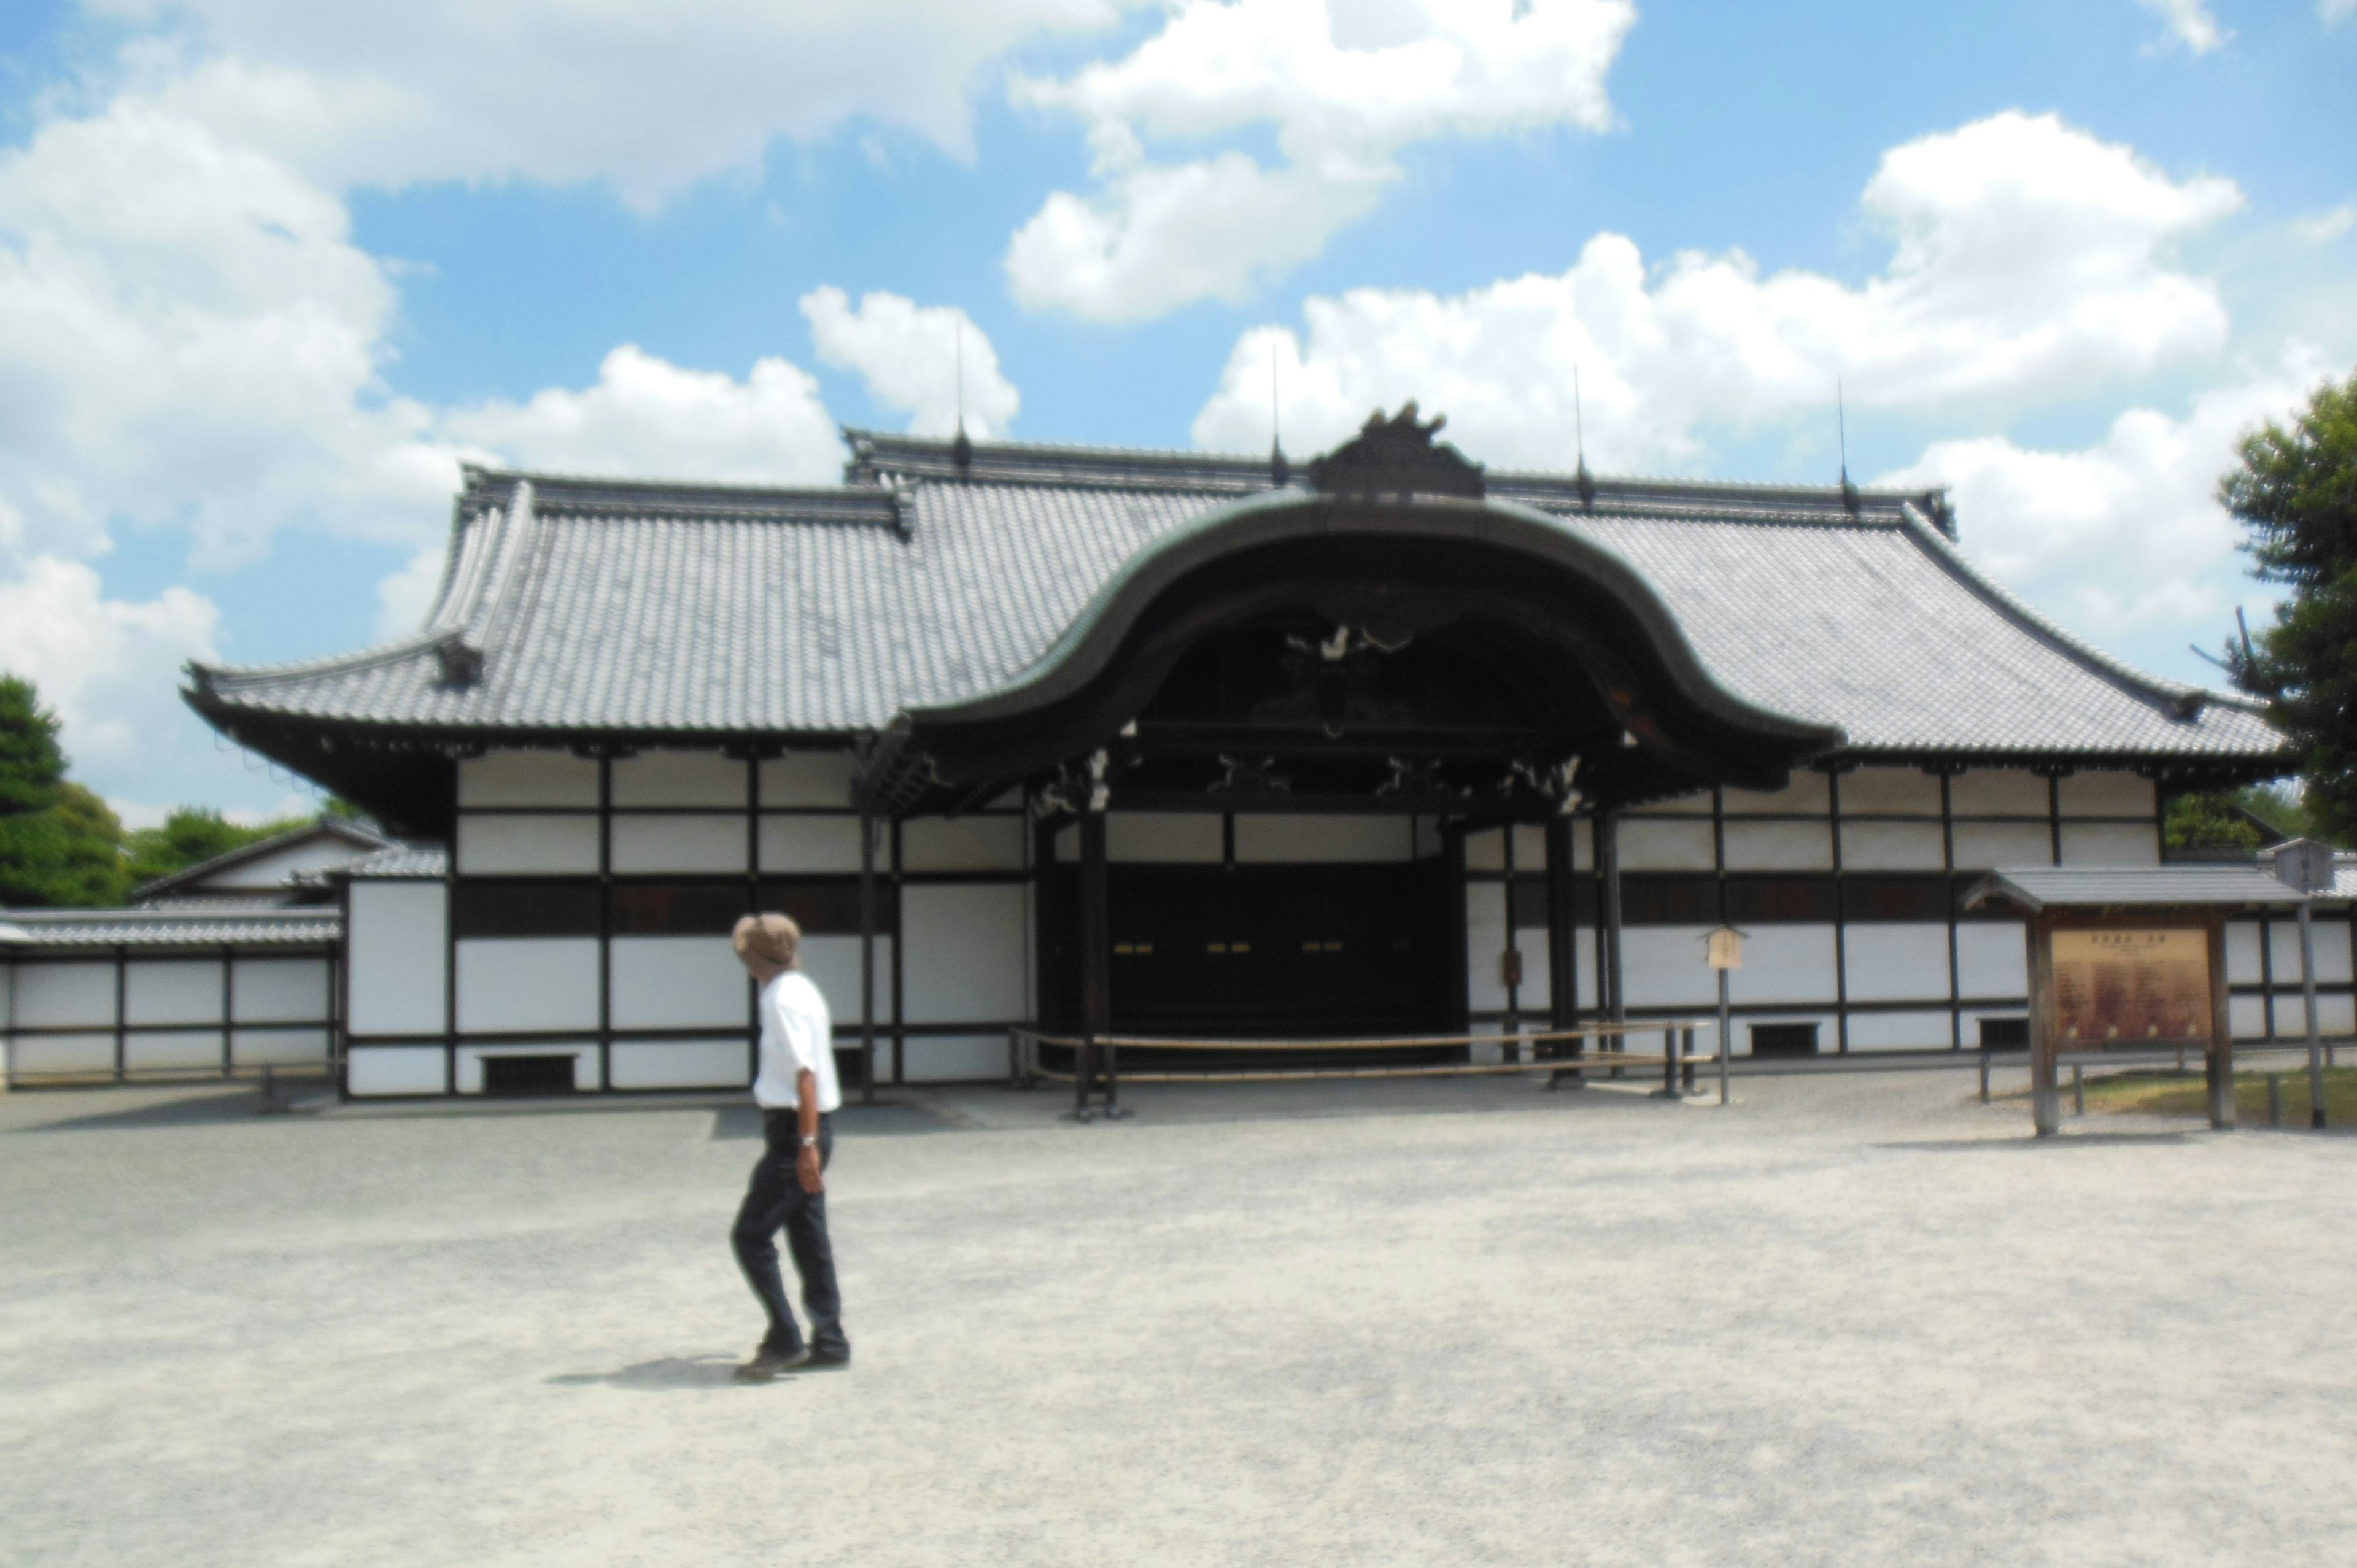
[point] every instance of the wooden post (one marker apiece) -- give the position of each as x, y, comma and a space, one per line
1607, 826
1096, 958
2045, 1092
867, 960
2308, 990
2220, 1057
1563, 937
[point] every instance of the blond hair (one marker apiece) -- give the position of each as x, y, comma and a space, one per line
772, 938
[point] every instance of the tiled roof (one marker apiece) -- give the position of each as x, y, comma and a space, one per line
349, 834
56, 928
400, 862
2097, 886
574, 605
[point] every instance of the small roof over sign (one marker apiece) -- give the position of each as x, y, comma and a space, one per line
2035, 888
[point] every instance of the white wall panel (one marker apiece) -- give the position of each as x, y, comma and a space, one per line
1538, 984
1981, 846
2107, 795
966, 844
172, 991
1160, 837
680, 1064
657, 844
1999, 792
1485, 938
1992, 958
1897, 963
1657, 844
582, 1052
62, 1053
1780, 846
2332, 943
2243, 963
677, 982
514, 984
1278, 838
60, 996
954, 1058
832, 961
1897, 1031
2336, 1015
1806, 795
506, 846
807, 779
2110, 844
1486, 850
1661, 966
967, 952
395, 952
1892, 846
393, 1069
1583, 846
527, 778
2247, 1018
1890, 791
1697, 803
1780, 963
179, 1050
279, 990
1529, 848
279, 1047
792, 844
679, 778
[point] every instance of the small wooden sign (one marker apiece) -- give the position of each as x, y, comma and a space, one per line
1725, 948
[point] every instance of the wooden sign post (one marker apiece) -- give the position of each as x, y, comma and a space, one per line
2106, 983
1725, 953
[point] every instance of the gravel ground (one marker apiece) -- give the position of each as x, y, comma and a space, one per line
1851, 1319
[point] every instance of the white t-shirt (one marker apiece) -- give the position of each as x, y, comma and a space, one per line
797, 1034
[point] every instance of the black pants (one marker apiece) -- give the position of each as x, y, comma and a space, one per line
773, 1201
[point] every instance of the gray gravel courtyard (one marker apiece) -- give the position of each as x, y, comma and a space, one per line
1852, 1319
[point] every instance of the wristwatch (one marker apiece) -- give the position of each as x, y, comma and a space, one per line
810, 1142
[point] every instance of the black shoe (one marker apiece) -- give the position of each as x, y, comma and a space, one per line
768, 1364
826, 1361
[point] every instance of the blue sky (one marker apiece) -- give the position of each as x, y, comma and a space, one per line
269, 271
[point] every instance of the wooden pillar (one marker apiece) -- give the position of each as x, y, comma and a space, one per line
1607, 871
1096, 957
1563, 935
867, 960
2218, 1060
2045, 1090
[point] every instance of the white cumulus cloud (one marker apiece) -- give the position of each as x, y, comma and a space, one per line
2189, 23
2334, 12
910, 356
1343, 88
2030, 262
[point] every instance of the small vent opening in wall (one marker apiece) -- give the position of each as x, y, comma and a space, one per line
528, 1075
1783, 1039
2005, 1034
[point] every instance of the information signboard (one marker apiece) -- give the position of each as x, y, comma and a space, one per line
2125, 984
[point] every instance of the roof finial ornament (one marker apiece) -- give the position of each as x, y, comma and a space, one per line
1841, 427
961, 448
1280, 472
1582, 479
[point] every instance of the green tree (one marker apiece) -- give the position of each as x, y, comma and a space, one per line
2294, 489
192, 835
2210, 821
32, 764
60, 844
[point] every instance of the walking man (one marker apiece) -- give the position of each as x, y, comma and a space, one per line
797, 1092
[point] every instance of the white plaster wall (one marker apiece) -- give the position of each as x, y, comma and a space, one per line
1897, 963
172, 991
2247, 1018
1992, 958
395, 946
1170, 838
713, 845
679, 778
807, 779
2110, 844
2336, 1015
954, 1058
254, 1047
2331, 943
273, 870
1778, 846
495, 846
1699, 802
966, 844
527, 778
279, 990
527, 983
1529, 848
1583, 846
582, 1052
1892, 791
1982, 846
393, 1069
1486, 850
1485, 938
1807, 794
1897, 1031
1275, 839
60, 996
1538, 984
1891, 846
812, 844
62, 1053
2108, 795
966, 953
680, 1064
1997, 792
677, 982
1657, 844
832, 961
1661, 966
2242, 964
1782, 963
182, 1050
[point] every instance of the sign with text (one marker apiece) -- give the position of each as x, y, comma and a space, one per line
2126, 984
1725, 948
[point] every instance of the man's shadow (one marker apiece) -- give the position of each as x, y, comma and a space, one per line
670, 1372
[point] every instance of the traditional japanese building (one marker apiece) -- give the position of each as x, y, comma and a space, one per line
1173, 743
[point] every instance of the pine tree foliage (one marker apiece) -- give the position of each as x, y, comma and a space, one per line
60, 844
32, 764
2296, 491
